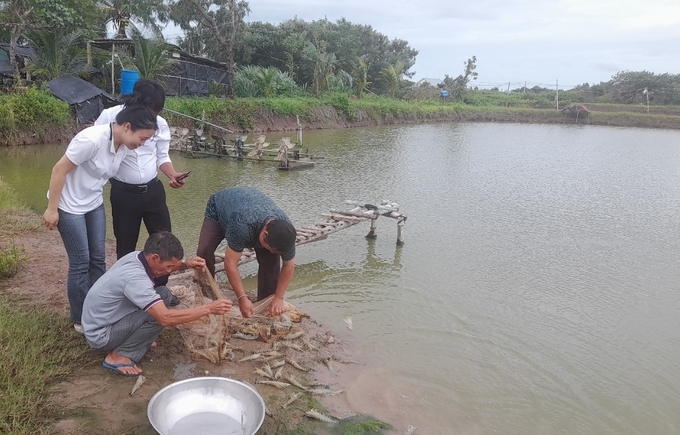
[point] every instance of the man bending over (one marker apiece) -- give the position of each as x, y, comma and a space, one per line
247, 218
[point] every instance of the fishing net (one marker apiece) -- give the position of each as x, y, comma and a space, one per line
209, 337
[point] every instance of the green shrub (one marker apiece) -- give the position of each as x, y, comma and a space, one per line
360, 425
31, 109
342, 105
10, 260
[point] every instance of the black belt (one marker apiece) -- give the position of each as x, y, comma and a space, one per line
135, 188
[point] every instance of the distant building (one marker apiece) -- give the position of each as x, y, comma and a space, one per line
428, 82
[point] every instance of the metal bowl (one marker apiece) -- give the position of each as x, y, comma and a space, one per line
206, 406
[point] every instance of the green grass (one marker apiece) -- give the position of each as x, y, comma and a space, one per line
360, 425
35, 352
15, 216
485, 106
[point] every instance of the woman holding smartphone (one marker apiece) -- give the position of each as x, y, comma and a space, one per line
137, 194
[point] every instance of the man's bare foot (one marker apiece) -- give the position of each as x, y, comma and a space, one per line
121, 364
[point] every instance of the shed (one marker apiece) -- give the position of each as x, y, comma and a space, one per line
23, 56
193, 75
86, 100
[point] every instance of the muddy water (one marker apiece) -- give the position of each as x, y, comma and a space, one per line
536, 291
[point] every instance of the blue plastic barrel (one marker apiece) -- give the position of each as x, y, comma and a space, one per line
128, 78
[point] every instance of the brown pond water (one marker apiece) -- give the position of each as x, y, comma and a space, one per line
537, 289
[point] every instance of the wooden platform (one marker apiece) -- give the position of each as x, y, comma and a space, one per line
291, 165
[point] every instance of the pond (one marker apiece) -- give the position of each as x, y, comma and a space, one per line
537, 290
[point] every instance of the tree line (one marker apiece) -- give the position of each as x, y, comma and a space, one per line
625, 87
262, 59
294, 56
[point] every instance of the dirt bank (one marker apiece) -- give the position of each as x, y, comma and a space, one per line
263, 119
94, 400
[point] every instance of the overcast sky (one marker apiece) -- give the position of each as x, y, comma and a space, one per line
517, 41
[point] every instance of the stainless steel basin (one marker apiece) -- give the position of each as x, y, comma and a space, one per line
206, 406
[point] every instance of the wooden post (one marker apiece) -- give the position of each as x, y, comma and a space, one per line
557, 95
372, 234
647, 95
113, 69
299, 130
400, 240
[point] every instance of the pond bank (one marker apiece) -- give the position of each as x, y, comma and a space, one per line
89, 399
83, 398
339, 111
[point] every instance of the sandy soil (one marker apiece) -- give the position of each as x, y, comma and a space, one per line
95, 400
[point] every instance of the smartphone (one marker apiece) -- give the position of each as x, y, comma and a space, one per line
182, 177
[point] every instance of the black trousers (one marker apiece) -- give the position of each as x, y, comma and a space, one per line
269, 265
130, 205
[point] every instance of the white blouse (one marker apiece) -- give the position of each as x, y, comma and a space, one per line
140, 166
96, 160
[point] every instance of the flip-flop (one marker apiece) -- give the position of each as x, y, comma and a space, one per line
115, 367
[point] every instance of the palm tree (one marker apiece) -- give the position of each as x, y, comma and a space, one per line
322, 66
150, 56
58, 54
392, 75
122, 13
258, 81
265, 80
361, 75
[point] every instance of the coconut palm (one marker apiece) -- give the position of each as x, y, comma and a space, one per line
361, 76
256, 81
321, 66
265, 79
151, 59
392, 75
57, 54
122, 13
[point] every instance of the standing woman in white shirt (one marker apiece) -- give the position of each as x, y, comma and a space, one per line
136, 192
76, 203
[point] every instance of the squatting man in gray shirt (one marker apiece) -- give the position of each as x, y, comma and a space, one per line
123, 312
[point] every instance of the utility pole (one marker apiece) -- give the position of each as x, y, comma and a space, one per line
557, 95
525, 87
507, 102
113, 69
646, 92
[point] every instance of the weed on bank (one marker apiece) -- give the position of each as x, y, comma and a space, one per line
35, 350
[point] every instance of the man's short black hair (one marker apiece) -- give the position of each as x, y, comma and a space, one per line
165, 244
280, 235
